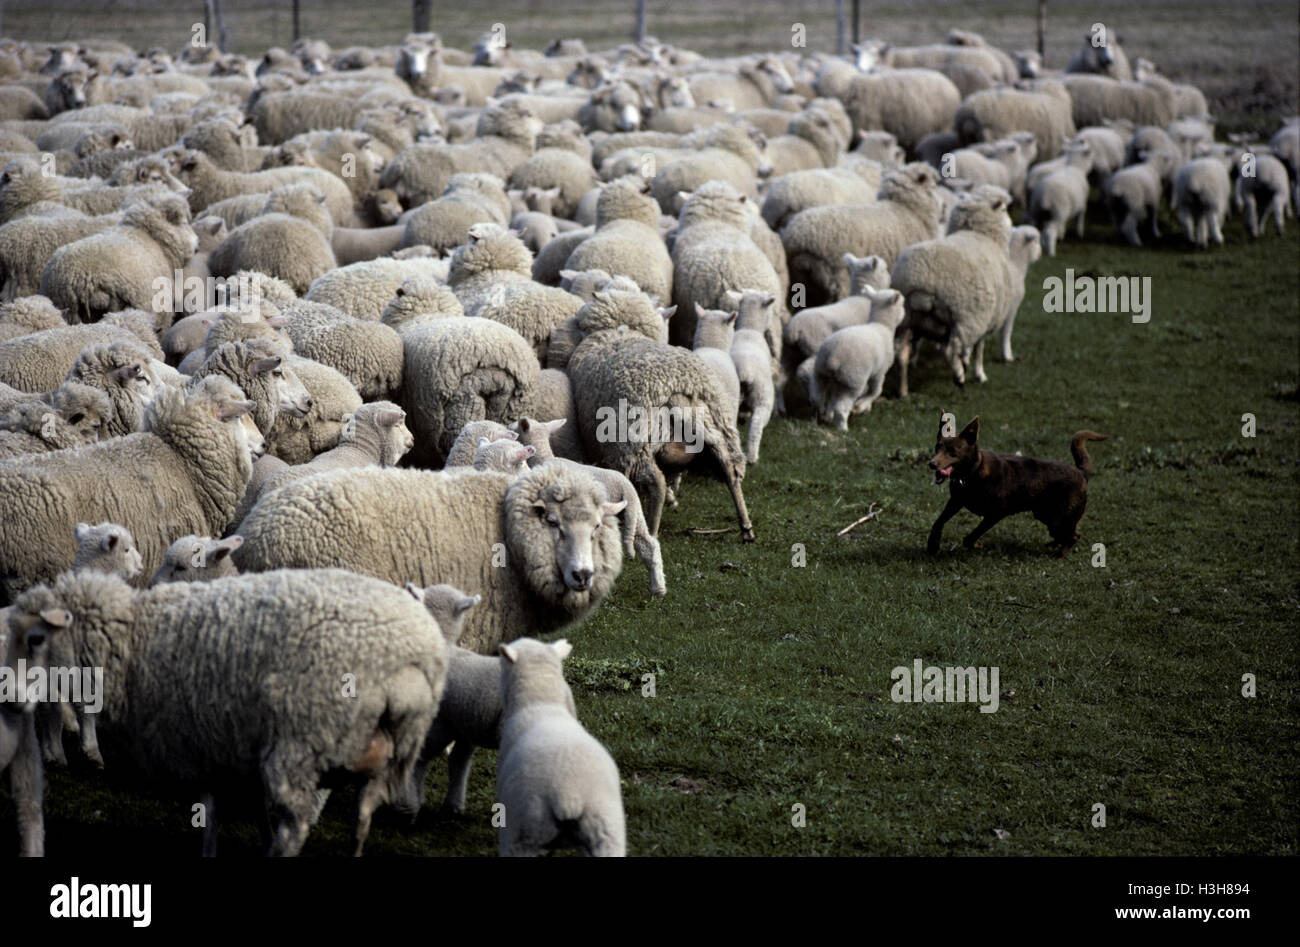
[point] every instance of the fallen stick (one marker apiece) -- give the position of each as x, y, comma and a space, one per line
712, 532
872, 513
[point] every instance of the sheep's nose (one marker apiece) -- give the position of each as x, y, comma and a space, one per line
309, 401
581, 578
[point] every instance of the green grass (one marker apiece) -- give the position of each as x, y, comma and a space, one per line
772, 681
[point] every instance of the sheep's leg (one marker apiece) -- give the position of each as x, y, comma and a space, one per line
674, 491
209, 804
1185, 221
649, 479
1129, 230
903, 355
1049, 238
1079, 224
1155, 220
27, 786
90, 738
49, 728
1005, 338
647, 550
1248, 211
462, 756
1279, 211
715, 442
598, 838
762, 413
368, 800
526, 834
956, 362
1216, 228
979, 361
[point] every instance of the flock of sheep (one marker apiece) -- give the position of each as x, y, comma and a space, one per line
330, 381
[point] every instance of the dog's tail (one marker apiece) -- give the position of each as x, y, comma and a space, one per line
1080, 451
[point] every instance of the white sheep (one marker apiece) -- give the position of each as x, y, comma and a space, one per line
1265, 193
850, 367
714, 331
1062, 196
558, 785
1133, 194
197, 559
753, 359
1024, 247
1202, 191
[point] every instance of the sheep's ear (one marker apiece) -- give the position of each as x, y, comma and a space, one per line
509, 436
562, 648
80, 531
228, 412
510, 653
733, 297
265, 365
523, 425
556, 424
731, 317
668, 312
109, 542
56, 617
699, 310
568, 274
465, 604
415, 592
612, 509
223, 548
769, 300
389, 417
482, 441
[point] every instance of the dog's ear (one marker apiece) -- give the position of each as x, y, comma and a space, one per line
971, 432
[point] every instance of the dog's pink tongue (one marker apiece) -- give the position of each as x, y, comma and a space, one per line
946, 471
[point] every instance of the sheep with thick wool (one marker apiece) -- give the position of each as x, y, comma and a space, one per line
122, 371
543, 549
209, 184
468, 200
362, 290
173, 655
791, 193
905, 212
119, 268
39, 361
956, 287
850, 366
993, 114
368, 354
730, 153
26, 245
558, 785
184, 474
626, 241
907, 103
75, 415
289, 240
27, 314
1098, 99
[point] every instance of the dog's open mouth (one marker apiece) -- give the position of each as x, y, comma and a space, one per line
943, 473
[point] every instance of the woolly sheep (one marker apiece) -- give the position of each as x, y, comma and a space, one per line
714, 253
469, 199
184, 474
1044, 109
469, 715
363, 289
907, 103
539, 435
615, 370
956, 287
1100, 54
368, 354
1097, 99
465, 448
1133, 194
209, 184
28, 314
1266, 192
39, 361
506, 456
799, 190
850, 366
172, 656
1202, 191
714, 331
197, 559
618, 302
558, 785
26, 245
542, 548
259, 366
107, 547
905, 212
76, 415
289, 241
122, 371
118, 267
1062, 196
728, 153
626, 241
558, 168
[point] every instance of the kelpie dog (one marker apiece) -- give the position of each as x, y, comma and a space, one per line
997, 485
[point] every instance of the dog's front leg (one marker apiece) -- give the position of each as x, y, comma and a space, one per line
936, 531
972, 540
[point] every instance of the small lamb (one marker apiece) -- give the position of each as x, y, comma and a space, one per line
753, 360
506, 455
851, 365
558, 785
470, 713
1062, 196
107, 547
714, 332
197, 559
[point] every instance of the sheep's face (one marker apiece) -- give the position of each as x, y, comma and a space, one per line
287, 390
887, 307
776, 72
414, 59
448, 605
256, 442
506, 455
562, 528
34, 622
197, 559
868, 55
111, 546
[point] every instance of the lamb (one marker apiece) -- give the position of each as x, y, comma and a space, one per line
790, 193
368, 354
752, 359
469, 714
993, 114
538, 435
183, 475
197, 559
290, 241
39, 361
107, 547
506, 456
465, 448
905, 212
491, 276
714, 331
1264, 193
558, 785
1132, 194
363, 289
542, 548
26, 314
1101, 55
176, 652
729, 153
468, 200
504, 139
25, 638
456, 370
714, 253
627, 241
1023, 248
209, 184
674, 399
956, 287
1062, 196
1202, 191
850, 367
374, 436
564, 169
118, 267
907, 103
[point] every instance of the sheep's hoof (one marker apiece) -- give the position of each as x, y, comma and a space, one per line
747, 534
658, 593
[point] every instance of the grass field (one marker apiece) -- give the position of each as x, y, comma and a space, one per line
1122, 684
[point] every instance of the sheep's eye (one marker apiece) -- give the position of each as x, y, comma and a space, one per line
278, 374
553, 519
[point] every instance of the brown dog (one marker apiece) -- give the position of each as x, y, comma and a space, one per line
998, 485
